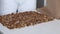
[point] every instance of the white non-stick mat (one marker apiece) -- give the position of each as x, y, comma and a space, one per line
51, 27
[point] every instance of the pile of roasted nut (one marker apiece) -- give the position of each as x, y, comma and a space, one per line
23, 19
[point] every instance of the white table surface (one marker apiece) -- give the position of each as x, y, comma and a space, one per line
52, 27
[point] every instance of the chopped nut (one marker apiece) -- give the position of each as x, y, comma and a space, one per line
19, 20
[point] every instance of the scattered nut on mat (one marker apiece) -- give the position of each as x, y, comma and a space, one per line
19, 20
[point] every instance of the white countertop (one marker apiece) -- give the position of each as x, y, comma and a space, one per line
52, 27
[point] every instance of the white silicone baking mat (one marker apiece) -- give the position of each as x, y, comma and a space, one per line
51, 27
